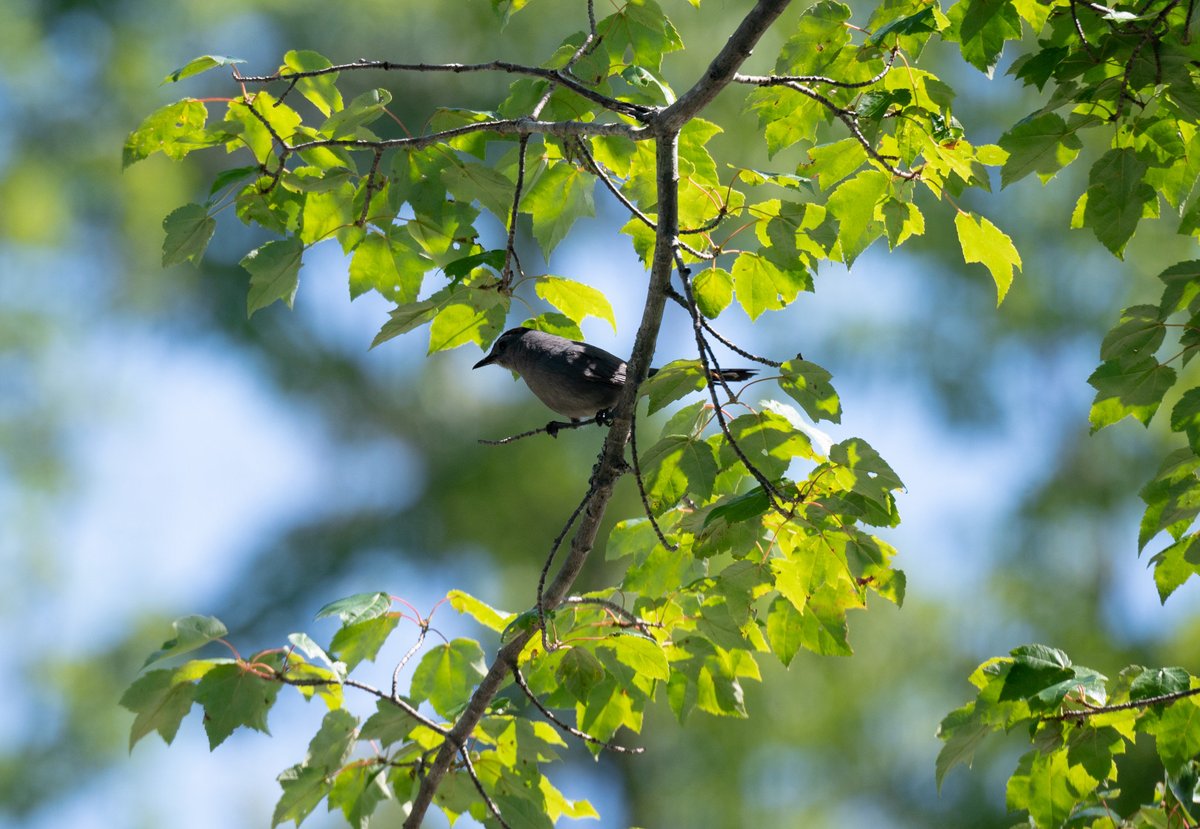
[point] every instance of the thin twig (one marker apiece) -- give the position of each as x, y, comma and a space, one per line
1124, 706
842, 84
773, 495
721, 338
404, 660
370, 188
847, 116
510, 248
611, 186
375, 692
552, 429
1079, 30
502, 126
641, 486
630, 620
574, 732
491, 804
638, 111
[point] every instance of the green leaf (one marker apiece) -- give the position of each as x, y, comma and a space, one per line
364, 109
678, 466
1117, 198
1176, 732
983, 242
754, 283
579, 672
901, 221
555, 323
356, 641
1172, 499
472, 315
1133, 385
389, 724
808, 384
357, 790
330, 746
873, 478
232, 176
645, 656
575, 299
1035, 668
560, 196
1048, 787
1185, 417
191, 632
962, 730
1159, 681
201, 64
306, 784
405, 318
785, 629
325, 212
320, 90
472, 181
1041, 144
768, 439
831, 163
248, 127
188, 231
713, 290
631, 537
676, 379
461, 268
853, 204
160, 702
233, 696
357, 608
483, 613
174, 130
981, 27
303, 790
1139, 331
1175, 565
388, 266
447, 674
1182, 288
745, 507
274, 273
304, 643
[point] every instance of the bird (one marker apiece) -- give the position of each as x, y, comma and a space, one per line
575, 379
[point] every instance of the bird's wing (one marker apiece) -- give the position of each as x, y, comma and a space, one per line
601, 367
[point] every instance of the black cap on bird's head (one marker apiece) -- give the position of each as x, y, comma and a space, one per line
501, 346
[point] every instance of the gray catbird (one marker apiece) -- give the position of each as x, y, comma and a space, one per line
572, 378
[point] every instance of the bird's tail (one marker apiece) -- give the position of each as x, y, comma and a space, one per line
734, 375
729, 375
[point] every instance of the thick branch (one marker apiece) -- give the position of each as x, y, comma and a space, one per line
723, 67
604, 478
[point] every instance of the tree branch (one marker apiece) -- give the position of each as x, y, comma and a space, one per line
723, 67
1085, 713
553, 75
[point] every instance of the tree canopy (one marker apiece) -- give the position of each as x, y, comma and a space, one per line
748, 535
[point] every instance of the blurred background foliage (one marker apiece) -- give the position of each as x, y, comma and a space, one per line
160, 455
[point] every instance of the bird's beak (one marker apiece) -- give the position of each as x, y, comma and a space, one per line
486, 361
